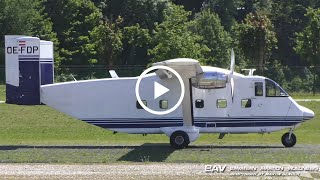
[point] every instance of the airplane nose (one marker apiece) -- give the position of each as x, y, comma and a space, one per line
307, 114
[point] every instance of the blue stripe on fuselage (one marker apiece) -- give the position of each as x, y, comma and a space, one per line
199, 122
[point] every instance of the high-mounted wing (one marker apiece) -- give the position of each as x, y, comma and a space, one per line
181, 65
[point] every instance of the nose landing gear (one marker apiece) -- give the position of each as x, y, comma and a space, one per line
289, 139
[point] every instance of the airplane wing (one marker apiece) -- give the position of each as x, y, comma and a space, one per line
181, 65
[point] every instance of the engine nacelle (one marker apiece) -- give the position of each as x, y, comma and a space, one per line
210, 80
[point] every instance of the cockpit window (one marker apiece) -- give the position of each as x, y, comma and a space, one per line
274, 90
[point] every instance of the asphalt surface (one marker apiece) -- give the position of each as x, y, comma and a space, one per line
159, 171
306, 100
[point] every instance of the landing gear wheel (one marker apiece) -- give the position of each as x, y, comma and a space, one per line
288, 142
179, 140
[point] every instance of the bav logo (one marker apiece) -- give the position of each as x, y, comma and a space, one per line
215, 168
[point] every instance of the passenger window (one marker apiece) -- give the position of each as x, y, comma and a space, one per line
258, 89
246, 103
221, 103
139, 106
163, 104
199, 103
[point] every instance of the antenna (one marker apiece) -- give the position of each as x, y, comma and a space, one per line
113, 74
73, 77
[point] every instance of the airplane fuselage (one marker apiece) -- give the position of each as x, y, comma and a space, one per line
258, 105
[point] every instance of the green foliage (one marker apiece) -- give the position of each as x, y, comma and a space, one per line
289, 18
227, 11
136, 36
106, 41
143, 12
308, 41
25, 18
135, 40
42, 27
277, 73
256, 39
208, 26
173, 39
15, 16
73, 21
273, 36
291, 79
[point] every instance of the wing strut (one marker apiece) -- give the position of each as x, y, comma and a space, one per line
187, 69
191, 100
187, 106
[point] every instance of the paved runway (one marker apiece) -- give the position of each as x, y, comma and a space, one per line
307, 100
158, 171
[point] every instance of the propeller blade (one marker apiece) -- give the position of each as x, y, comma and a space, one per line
232, 64
231, 80
232, 87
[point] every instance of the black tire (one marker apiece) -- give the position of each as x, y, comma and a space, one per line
288, 142
179, 140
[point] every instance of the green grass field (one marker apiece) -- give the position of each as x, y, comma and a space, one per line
305, 96
2, 92
24, 128
41, 125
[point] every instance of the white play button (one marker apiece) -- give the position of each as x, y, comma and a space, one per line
159, 90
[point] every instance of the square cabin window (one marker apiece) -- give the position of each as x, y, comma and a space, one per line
258, 89
246, 103
139, 106
163, 104
221, 103
199, 103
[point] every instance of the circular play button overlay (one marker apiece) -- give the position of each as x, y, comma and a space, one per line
160, 89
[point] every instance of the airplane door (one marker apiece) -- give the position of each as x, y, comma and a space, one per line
258, 100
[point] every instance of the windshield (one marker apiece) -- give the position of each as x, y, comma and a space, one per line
274, 90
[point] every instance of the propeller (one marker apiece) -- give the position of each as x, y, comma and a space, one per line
232, 64
231, 80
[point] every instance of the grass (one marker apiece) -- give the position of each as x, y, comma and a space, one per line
305, 96
148, 153
36, 133
41, 125
2, 92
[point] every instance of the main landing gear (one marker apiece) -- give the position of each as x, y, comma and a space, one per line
289, 139
179, 140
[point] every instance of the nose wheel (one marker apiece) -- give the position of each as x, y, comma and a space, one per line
288, 139
179, 140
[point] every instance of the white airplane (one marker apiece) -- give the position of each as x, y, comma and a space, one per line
215, 101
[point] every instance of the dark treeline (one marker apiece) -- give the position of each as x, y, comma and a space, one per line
281, 39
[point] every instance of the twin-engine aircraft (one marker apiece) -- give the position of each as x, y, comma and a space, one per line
214, 100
